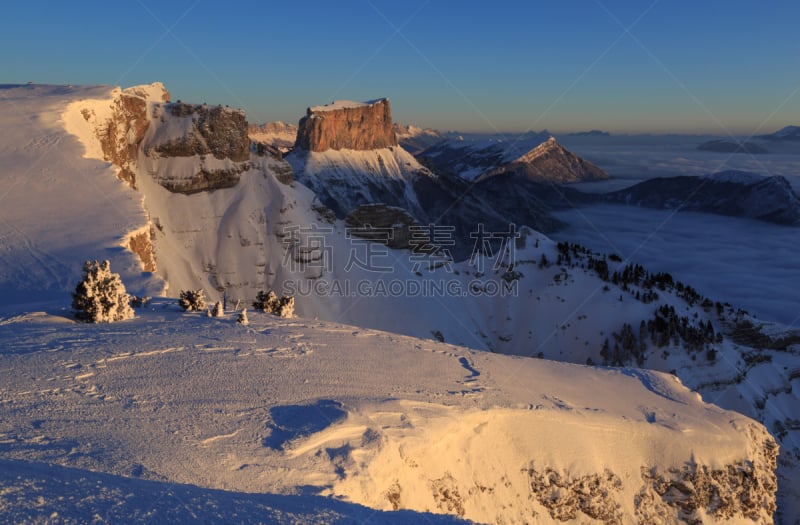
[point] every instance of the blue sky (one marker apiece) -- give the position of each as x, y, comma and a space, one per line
620, 65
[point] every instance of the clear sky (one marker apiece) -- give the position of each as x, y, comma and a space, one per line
566, 65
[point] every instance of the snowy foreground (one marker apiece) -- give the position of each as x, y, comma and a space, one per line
180, 417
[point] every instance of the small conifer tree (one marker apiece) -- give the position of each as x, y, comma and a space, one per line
100, 297
193, 300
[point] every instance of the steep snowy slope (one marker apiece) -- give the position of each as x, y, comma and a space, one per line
309, 408
345, 179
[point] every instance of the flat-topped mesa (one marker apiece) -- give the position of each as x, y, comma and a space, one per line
347, 125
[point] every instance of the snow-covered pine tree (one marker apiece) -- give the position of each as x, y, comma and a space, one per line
100, 297
286, 307
193, 300
217, 310
270, 303
242, 318
266, 301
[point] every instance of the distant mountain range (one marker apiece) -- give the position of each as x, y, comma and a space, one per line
787, 134
734, 193
727, 146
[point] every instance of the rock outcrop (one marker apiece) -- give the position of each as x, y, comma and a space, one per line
549, 162
381, 223
141, 244
347, 125
204, 179
121, 131
201, 130
194, 148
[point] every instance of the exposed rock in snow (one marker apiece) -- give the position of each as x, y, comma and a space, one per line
141, 244
347, 125
193, 148
120, 127
388, 225
193, 129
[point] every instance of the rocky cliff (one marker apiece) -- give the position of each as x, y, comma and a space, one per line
200, 130
193, 148
347, 125
121, 127
186, 148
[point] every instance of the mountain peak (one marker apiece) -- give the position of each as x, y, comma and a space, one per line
549, 162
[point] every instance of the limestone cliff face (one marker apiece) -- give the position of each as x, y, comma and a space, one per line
202, 130
193, 148
122, 130
347, 125
187, 148
141, 244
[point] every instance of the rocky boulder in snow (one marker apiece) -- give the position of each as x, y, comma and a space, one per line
347, 125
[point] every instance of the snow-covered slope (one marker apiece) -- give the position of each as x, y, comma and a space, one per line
548, 162
346, 179
173, 409
61, 204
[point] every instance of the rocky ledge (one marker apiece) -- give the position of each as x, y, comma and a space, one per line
201, 130
347, 125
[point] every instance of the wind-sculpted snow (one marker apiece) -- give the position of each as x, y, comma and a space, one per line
312, 422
